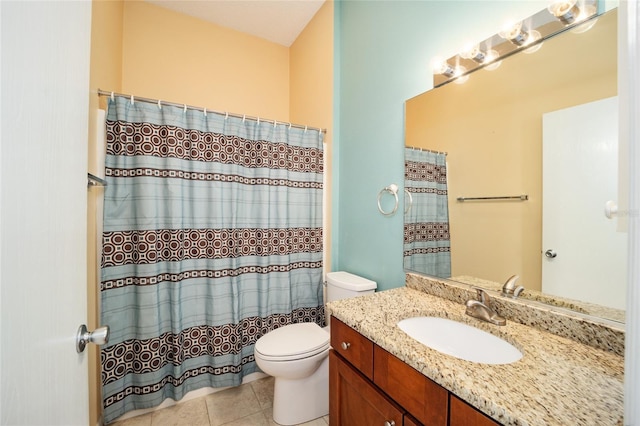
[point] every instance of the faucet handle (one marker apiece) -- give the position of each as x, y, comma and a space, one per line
483, 297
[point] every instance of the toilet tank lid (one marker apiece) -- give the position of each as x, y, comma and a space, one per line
350, 281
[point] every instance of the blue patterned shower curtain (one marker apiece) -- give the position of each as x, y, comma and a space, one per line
427, 246
212, 238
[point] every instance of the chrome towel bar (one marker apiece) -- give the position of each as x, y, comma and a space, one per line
522, 197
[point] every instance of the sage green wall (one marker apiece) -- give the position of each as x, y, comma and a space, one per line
383, 55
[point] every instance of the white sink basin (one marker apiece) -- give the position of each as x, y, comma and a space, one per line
460, 340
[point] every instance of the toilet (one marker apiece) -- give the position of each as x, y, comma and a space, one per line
297, 356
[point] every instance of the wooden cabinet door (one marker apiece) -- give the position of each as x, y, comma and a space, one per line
426, 400
355, 401
462, 414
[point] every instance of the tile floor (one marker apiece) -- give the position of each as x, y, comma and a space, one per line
246, 405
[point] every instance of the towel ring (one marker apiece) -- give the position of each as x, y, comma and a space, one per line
393, 190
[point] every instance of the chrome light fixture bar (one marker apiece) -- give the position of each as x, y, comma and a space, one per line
526, 36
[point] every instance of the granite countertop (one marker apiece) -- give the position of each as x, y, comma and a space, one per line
557, 382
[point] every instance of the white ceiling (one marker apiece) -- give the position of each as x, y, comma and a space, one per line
279, 21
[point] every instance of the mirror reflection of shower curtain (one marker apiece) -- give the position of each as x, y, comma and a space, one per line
212, 238
427, 246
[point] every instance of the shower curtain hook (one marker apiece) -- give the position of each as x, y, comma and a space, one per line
131, 99
243, 117
289, 126
226, 115
305, 129
275, 123
205, 112
113, 98
159, 104
185, 108
258, 120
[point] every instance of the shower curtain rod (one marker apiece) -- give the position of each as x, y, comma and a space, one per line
226, 114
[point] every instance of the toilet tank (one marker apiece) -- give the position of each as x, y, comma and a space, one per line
342, 285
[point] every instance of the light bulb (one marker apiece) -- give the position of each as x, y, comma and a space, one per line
440, 66
474, 53
534, 36
458, 77
491, 60
567, 11
585, 13
514, 33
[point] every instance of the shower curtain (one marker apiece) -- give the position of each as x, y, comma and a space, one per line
212, 238
426, 225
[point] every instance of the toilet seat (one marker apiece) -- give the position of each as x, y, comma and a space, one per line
293, 341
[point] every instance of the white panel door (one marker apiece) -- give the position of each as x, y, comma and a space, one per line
43, 190
591, 255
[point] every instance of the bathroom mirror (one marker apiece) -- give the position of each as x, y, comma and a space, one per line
496, 129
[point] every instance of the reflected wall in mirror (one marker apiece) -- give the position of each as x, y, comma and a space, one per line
491, 128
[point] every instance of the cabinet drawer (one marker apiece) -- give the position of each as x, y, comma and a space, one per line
462, 414
423, 398
353, 347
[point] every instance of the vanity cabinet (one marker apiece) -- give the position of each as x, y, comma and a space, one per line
370, 386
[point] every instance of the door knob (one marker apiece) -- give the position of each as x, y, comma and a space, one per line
550, 254
99, 336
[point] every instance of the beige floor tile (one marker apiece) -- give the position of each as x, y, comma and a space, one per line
231, 404
144, 420
257, 419
189, 413
268, 413
317, 422
263, 389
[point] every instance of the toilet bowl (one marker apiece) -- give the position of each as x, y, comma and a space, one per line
297, 356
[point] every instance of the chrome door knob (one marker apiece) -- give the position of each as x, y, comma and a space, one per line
345, 345
99, 336
550, 254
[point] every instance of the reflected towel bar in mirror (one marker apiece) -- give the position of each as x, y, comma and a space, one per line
522, 197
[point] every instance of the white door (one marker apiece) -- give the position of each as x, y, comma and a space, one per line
590, 260
43, 192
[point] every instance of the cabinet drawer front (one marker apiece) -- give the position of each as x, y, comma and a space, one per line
353, 347
424, 399
462, 414
355, 401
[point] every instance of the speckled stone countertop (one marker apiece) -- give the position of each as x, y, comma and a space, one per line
558, 381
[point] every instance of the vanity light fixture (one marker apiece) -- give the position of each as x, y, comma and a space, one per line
526, 36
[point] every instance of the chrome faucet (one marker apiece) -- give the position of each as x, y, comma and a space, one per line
509, 289
483, 309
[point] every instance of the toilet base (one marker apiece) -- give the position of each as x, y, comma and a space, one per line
302, 400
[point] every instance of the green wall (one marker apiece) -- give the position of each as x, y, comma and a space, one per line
383, 55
